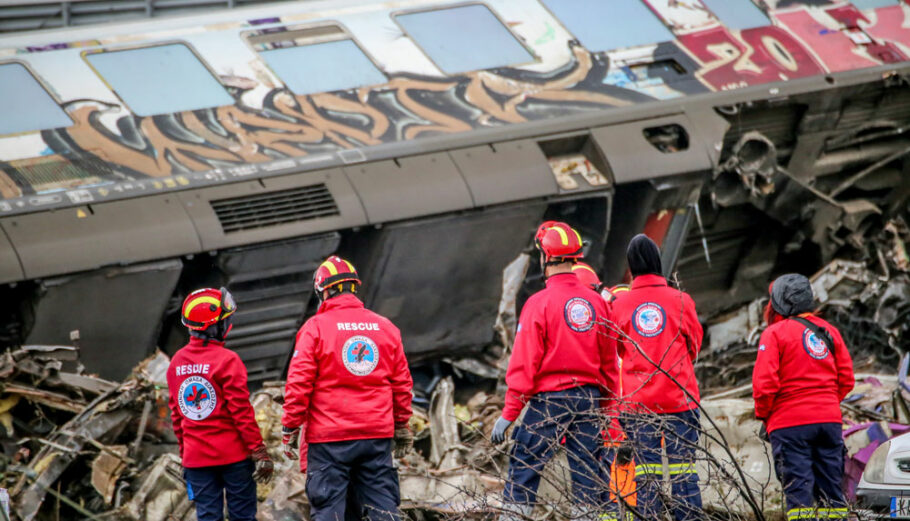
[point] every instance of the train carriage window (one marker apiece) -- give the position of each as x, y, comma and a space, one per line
25, 106
464, 38
160, 80
317, 59
606, 25
738, 14
872, 4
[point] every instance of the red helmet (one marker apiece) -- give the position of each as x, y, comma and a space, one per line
207, 306
334, 270
586, 275
558, 240
618, 290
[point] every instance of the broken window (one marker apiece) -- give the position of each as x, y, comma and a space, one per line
160, 80
604, 26
738, 14
25, 105
442, 35
317, 59
667, 138
573, 158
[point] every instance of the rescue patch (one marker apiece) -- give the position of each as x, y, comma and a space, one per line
649, 319
579, 314
815, 347
196, 398
360, 355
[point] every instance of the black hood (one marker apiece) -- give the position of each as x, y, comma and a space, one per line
791, 294
644, 256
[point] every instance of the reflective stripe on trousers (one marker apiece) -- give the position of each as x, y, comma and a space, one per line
816, 513
657, 469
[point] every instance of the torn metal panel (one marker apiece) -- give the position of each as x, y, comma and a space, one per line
513, 277
134, 295
51, 399
736, 326
473, 366
840, 281
161, 495
106, 470
84, 383
51, 462
461, 322
445, 453
94, 425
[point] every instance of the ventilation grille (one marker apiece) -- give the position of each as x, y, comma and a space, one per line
274, 208
55, 173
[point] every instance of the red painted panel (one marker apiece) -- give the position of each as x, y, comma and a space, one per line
833, 47
755, 56
888, 30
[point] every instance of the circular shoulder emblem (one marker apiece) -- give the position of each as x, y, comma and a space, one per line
579, 314
649, 319
360, 355
815, 347
196, 398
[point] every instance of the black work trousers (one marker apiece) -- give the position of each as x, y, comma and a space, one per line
363, 465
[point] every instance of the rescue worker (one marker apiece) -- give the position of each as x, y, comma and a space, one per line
617, 458
802, 372
660, 339
562, 365
350, 386
587, 276
213, 419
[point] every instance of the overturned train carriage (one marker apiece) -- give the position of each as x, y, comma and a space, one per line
425, 140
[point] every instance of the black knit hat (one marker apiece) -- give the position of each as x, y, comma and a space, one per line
644, 256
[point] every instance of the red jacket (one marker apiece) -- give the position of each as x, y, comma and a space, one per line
663, 323
560, 343
349, 378
210, 405
796, 380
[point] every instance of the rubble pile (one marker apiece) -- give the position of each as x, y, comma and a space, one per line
868, 300
76, 446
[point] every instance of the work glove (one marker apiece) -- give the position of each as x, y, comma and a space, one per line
403, 441
290, 442
763, 434
499, 430
264, 466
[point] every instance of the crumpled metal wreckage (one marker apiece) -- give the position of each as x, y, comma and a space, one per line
77, 445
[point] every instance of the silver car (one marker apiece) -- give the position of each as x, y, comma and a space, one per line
885, 485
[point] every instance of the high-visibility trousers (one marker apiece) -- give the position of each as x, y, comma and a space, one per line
809, 460
678, 432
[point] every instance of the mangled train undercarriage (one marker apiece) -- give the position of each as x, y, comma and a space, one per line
737, 187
